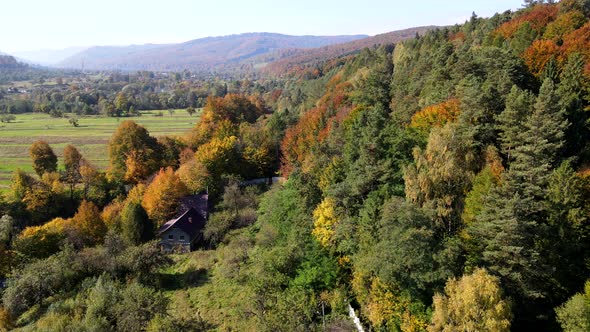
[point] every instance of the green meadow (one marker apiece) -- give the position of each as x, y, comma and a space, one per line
90, 137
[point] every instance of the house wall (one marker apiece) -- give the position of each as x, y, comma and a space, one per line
176, 241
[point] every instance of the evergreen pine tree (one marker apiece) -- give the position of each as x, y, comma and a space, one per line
513, 222
572, 93
543, 138
511, 120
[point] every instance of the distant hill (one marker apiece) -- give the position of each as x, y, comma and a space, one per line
199, 54
12, 69
8, 61
292, 59
48, 57
16, 58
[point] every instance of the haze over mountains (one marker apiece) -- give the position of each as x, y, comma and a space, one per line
48, 57
248, 50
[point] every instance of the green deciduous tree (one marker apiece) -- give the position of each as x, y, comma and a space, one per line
138, 305
20, 184
121, 103
407, 251
574, 315
7, 229
191, 110
72, 162
136, 227
442, 174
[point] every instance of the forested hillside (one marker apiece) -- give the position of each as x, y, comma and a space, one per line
460, 150
290, 61
438, 184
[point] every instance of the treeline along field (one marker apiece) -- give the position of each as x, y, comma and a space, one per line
90, 137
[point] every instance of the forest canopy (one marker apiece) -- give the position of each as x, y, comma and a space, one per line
438, 184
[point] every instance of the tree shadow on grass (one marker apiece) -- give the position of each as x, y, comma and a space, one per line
187, 279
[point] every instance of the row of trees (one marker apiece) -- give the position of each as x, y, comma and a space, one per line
112, 94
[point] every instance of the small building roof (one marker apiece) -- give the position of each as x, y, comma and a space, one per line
191, 218
198, 202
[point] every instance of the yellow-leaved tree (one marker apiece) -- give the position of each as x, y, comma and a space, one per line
160, 200
386, 306
42, 241
473, 303
194, 174
325, 219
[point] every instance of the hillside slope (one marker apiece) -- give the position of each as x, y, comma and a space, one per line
292, 60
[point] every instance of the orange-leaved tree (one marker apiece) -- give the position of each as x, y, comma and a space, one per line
436, 116
538, 55
161, 198
537, 17
89, 224
577, 41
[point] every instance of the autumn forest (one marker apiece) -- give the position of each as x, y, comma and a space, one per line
435, 183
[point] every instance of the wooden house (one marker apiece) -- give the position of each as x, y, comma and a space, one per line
185, 231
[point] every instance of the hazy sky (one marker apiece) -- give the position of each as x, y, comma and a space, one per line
54, 24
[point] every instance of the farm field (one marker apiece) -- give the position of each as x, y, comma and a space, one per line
90, 137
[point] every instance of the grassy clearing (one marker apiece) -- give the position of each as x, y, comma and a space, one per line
91, 137
198, 290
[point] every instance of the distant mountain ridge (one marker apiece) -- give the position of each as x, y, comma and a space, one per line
199, 54
273, 52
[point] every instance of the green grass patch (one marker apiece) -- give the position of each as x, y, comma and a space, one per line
198, 290
90, 137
